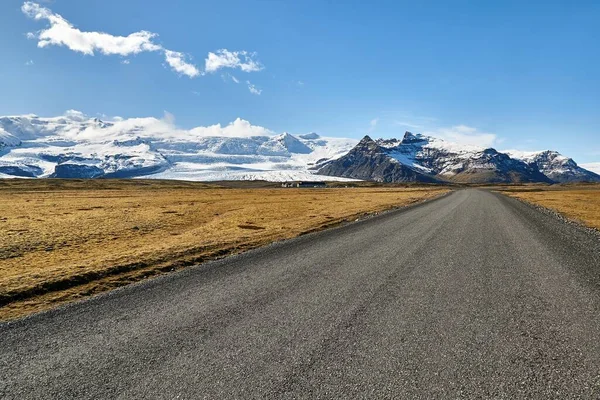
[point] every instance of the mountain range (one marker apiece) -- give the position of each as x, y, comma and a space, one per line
76, 146
420, 158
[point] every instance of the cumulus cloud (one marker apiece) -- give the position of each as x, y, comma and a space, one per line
463, 134
177, 61
29, 63
75, 115
237, 128
243, 60
128, 128
62, 33
253, 89
119, 128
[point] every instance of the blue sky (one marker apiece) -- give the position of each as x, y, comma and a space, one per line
518, 75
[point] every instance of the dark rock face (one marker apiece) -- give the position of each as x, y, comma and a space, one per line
369, 161
25, 171
491, 166
76, 171
418, 158
133, 172
310, 136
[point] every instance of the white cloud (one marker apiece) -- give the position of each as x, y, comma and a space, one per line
126, 62
237, 128
462, 134
227, 77
373, 125
594, 167
29, 63
75, 115
224, 58
124, 128
253, 89
408, 125
62, 33
169, 118
177, 61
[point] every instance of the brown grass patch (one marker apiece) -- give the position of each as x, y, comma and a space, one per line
61, 240
579, 203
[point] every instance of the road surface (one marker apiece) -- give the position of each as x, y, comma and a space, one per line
473, 295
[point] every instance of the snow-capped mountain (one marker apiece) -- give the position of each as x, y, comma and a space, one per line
556, 166
372, 161
75, 146
426, 159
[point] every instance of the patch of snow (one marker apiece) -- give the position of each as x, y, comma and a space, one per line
410, 162
195, 172
8, 140
449, 147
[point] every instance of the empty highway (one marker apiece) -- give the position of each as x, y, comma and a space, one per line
473, 295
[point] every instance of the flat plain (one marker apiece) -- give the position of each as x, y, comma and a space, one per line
579, 203
471, 295
61, 240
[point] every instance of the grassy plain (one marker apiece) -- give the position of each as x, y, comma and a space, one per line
579, 203
61, 240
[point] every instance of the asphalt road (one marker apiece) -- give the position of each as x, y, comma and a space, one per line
473, 295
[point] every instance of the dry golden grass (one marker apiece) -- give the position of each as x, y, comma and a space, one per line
61, 240
579, 203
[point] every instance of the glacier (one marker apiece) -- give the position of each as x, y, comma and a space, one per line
77, 146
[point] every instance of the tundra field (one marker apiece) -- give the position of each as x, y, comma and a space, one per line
577, 202
61, 240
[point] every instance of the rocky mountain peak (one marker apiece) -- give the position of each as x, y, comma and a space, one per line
422, 158
367, 144
410, 138
555, 166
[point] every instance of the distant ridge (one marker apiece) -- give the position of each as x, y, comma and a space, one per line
420, 158
76, 146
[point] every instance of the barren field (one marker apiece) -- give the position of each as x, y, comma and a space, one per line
579, 203
61, 240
